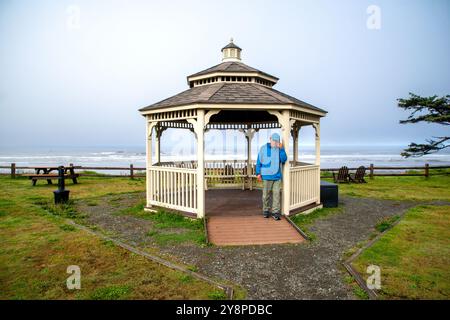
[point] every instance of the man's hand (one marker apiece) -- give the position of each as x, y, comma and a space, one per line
280, 145
259, 177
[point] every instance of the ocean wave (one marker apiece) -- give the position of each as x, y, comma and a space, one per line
329, 158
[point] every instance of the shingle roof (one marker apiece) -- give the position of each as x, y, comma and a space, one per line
230, 66
247, 93
231, 45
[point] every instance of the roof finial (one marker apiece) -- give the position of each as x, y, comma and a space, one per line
231, 40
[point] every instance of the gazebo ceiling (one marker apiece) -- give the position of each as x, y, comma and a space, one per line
231, 83
230, 116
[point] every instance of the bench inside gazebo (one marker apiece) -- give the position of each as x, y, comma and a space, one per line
232, 96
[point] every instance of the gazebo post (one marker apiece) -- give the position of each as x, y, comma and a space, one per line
199, 129
148, 151
249, 133
286, 124
285, 132
295, 130
317, 146
317, 142
158, 132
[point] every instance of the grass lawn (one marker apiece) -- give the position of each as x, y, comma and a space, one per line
169, 227
37, 247
414, 256
401, 188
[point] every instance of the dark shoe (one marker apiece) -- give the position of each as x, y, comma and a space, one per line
266, 214
276, 216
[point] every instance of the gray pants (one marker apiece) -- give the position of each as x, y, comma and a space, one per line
274, 187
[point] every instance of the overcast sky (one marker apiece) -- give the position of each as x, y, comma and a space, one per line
76, 72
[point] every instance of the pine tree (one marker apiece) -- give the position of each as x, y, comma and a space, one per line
431, 110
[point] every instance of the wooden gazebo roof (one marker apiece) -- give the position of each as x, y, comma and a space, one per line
232, 82
230, 67
223, 93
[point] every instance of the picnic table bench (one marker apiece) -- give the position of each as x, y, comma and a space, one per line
44, 173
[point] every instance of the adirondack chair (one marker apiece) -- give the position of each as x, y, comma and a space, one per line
358, 177
342, 175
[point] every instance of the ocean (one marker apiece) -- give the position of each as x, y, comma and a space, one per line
332, 156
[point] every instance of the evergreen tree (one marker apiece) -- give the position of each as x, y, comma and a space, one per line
431, 110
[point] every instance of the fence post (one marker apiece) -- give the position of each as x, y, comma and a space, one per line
13, 170
371, 171
427, 170
131, 171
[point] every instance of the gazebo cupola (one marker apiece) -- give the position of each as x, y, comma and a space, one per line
231, 52
231, 70
229, 96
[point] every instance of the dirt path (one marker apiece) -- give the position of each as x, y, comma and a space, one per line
292, 271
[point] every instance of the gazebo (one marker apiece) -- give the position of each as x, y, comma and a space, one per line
230, 95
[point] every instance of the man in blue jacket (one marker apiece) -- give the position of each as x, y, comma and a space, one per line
268, 169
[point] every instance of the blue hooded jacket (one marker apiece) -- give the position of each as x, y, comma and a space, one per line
267, 157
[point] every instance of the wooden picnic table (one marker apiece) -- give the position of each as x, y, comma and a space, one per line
45, 173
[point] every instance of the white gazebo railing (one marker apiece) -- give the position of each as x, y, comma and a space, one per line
305, 185
219, 173
174, 184
174, 188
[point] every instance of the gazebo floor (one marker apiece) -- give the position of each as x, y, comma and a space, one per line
235, 218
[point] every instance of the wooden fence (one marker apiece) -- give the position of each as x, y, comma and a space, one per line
139, 172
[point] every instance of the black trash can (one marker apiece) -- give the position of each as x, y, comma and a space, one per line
329, 194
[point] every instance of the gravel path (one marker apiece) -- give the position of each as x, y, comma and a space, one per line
301, 271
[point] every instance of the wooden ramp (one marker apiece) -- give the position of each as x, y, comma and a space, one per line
235, 218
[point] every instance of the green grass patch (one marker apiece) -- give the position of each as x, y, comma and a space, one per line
111, 293
108, 243
303, 221
173, 228
360, 293
67, 227
170, 227
326, 174
166, 219
192, 268
92, 203
414, 256
217, 295
386, 223
186, 278
136, 210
